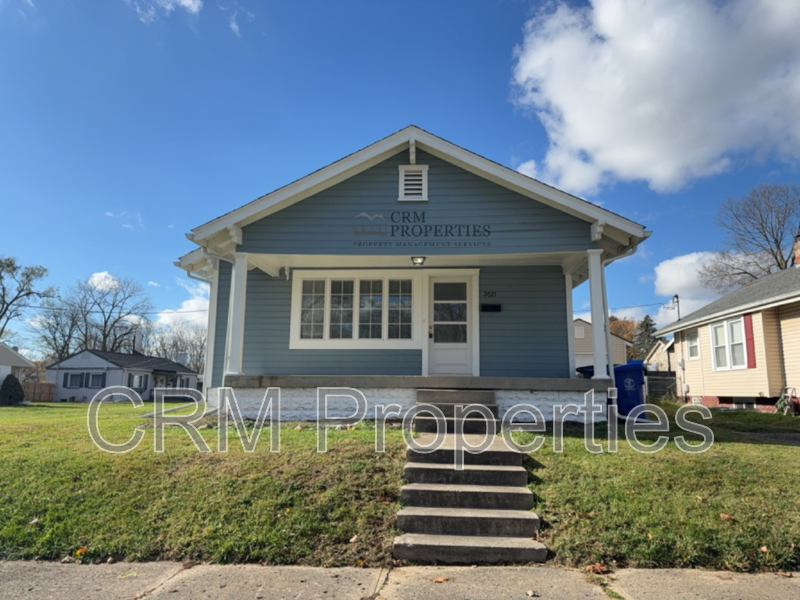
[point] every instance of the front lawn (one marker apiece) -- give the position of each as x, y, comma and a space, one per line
292, 507
733, 507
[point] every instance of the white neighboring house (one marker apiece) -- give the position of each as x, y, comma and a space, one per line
584, 356
79, 377
12, 362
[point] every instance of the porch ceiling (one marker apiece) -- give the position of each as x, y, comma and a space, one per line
272, 263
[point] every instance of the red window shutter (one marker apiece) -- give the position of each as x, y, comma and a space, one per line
750, 341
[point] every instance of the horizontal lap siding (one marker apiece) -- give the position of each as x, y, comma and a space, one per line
789, 318
772, 350
740, 383
323, 223
266, 341
528, 338
221, 330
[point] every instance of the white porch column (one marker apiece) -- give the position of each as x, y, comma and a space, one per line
208, 367
599, 324
570, 324
236, 308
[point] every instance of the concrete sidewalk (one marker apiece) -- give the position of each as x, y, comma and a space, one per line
171, 581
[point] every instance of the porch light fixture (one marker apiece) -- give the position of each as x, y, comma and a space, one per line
418, 260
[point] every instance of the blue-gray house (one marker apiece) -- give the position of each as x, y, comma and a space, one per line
412, 263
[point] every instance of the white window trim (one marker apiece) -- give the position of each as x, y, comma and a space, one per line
689, 345
298, 343
401, 179
725, 328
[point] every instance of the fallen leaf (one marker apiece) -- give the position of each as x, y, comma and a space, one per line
725, 517
764, 549
80, 551
34, 522
298, 428
649, 536
354, 539
597, 568
67, 559
440, 580
701, 499
784, 574
111, 560
288, 510
532, 594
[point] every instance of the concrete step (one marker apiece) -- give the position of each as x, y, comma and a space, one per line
448, 409
499, 497
455, 396
468, 521
470, 475
496, 454
466, 549
425, 424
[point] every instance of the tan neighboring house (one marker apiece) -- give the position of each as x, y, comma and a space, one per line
743, 349
12, 362
583, 345
662, 356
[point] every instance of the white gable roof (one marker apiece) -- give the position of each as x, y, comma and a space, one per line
11, 358
627, 231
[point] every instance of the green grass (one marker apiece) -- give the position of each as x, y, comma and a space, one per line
300, 507
721, 509
292, 507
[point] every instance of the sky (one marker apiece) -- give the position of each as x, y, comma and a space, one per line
126, 123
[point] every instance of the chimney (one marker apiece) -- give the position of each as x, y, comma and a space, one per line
137, 342
182, 358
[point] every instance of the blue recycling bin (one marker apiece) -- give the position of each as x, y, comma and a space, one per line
629, 380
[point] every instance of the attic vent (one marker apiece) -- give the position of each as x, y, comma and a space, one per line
413, 183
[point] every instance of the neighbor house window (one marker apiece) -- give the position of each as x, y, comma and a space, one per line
97, 380
75, 380
693, 345
137, 382
728, 345
361, 310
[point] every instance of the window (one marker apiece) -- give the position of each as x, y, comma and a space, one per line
370, 309
97, 380
413, 184
74, 380
728, 345
580, 332
400, 309
137, 382
693, 345
356, 309
312, 316
341, 320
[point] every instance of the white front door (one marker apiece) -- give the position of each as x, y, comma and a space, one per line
450, 328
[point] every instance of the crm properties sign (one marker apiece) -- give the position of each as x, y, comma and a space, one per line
413, 229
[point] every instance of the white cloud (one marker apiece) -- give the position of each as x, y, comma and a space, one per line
102, 280
529, 168
109, 214
663, 91
679, 276
147, 10
192, 310
233, 24
153, 284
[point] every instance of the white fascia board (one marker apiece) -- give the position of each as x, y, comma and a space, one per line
525, 185
733, 312
397, 142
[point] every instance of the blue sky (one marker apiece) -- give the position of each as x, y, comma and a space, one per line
125, 123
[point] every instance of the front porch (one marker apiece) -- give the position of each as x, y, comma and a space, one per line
299, 392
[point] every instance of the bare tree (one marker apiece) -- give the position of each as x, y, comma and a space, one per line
17, 289
56, 331
110, 312
99, 314
760, 233
181, 341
